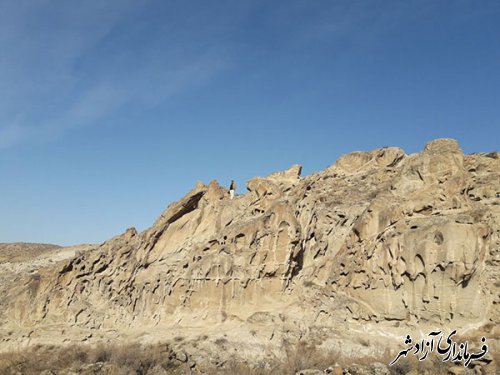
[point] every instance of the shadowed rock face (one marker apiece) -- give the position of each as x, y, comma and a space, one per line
378, 236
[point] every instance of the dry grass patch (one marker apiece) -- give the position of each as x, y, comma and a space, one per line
104, 358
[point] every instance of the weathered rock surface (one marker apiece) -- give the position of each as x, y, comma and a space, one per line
379, 237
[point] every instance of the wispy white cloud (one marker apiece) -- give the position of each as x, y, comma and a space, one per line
43, 91
357, 24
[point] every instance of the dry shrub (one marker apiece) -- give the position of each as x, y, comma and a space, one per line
297, 357
306, 355
137, 359
122, 359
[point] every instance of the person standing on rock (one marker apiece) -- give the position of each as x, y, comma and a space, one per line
232, 188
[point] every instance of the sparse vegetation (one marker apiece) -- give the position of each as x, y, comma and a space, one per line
136, 359
308, 356
101, 359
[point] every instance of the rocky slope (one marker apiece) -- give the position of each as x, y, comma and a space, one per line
376, 244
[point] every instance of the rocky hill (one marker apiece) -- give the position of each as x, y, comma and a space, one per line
22, 251
379, 244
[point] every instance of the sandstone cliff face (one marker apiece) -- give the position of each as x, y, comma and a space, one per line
379, 236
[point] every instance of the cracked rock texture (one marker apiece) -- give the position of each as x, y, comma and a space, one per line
377, 237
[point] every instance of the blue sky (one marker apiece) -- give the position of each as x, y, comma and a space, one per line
112, 109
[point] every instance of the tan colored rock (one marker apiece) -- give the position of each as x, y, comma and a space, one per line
377, 238
334, 370
309, 372
457, 370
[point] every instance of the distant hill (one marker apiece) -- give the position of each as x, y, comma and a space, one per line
21, 251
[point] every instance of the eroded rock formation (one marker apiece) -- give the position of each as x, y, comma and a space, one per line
379, 236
